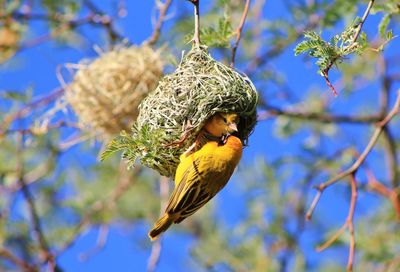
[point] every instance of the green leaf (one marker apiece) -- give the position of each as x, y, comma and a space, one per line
382, 27
218, 37
16, 96
389, 35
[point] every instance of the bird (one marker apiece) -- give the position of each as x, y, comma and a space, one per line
198, 178
216, 127
221, 124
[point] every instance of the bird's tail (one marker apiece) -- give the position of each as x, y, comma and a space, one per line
160, 226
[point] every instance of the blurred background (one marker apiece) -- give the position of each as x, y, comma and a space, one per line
61, 209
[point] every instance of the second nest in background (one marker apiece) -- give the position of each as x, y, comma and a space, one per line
105, 93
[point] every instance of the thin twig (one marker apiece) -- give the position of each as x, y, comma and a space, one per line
24, 266
316, 116
196, 37
100, 243
160, 21
328, 82
43, 101
360, 25
349, 224
105, 20
156, 247
125, 182
350, 220
239, 32
354, 167
391, 157
325, 72
392, 194
37, 226
41, 130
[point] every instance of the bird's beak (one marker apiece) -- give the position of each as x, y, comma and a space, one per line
233, 127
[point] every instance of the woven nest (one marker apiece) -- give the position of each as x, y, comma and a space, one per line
200, 87
105, 93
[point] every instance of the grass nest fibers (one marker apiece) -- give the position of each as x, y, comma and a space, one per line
182, 102
105, 93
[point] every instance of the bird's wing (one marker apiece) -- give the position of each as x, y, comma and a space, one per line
201, 181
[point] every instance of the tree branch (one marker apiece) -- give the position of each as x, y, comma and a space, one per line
196, 37
43, 101
316, 116
392, 194
125, 182
351, 45
24, 266
239, 32
156, 247
349, 224
354, 167
37, 226
161, 18
100, 243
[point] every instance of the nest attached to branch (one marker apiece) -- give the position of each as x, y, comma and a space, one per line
105, 93
182, 102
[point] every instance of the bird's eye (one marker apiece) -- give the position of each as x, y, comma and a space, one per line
223, 118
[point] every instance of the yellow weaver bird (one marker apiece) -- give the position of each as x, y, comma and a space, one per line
216, 127
221, 124
202, 174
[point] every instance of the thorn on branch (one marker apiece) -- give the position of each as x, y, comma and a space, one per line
328, 82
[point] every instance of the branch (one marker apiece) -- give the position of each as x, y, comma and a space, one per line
125, 182
351, 45
41, 130
100, 243
43, 101
24, 266
354, 167
161, 18
105, 20
196, 37
392, 194
391, 157
239, 32
156, 247
349, 224
278, 47
316, 116
37, 226
360, 25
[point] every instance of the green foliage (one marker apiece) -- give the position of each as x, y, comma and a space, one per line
257, 223
334, 51
383, 25
62, 6
144, 145
218, 36
334, 11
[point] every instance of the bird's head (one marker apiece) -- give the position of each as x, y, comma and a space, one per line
221, 124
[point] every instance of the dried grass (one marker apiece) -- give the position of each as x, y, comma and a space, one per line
105, 93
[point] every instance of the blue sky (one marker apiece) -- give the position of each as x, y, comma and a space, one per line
127, 248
